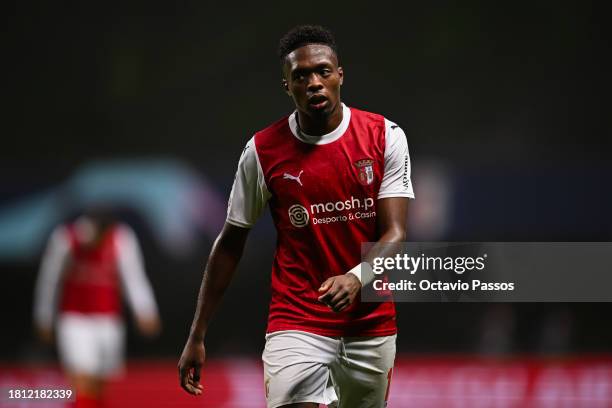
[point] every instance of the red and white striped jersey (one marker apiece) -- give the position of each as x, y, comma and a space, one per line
322, 192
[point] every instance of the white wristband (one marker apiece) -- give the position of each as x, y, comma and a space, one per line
363, 272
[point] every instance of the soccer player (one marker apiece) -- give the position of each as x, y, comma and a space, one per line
84, 269
333, 177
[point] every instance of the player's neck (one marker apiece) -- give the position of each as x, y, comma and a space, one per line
319, 126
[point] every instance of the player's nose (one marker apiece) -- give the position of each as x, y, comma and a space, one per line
314, 83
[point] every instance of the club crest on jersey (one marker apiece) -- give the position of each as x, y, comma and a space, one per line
366, 171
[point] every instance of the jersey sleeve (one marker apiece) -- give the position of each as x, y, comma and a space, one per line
131, 270
396, 180
249, 194
49, 278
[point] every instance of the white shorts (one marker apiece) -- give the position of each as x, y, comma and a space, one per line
340, 372
90, 344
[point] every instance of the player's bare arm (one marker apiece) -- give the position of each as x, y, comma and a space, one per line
339, 292
224, 257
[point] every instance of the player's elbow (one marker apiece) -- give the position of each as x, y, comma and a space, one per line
395, 234
400, 235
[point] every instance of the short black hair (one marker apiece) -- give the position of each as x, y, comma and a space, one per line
303, 35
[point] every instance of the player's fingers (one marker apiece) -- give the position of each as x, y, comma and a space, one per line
334, 295
326, 285
187, 386
331, 292
347, 301
194, 376
340, 296
327, 297
185, 381
192, 388
196, 373
195, 386
341, 306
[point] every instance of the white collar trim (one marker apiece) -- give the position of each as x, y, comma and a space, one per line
326, 138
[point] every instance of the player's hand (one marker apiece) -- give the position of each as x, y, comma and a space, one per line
148, 326
339, 292
45, 334
190, 364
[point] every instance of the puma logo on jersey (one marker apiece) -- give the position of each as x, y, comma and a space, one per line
288, 176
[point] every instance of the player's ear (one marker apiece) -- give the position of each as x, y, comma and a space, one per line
341, 74
286, 86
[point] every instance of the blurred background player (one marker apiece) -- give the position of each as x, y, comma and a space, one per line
86, 265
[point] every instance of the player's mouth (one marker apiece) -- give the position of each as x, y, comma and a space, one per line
317, 102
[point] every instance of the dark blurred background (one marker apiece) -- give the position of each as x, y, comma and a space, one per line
504, 105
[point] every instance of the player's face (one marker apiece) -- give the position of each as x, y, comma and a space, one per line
313, 79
